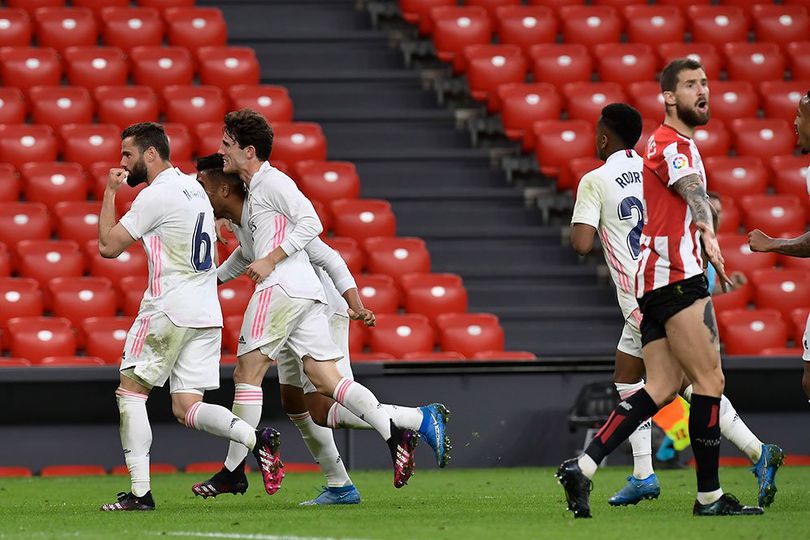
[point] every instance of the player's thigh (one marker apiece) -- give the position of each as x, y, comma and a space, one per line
693, 339
664, 374
151, 349
629, 366
269, 318
197, 365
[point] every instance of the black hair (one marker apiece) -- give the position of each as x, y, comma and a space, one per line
249, 128
623, 121
146, 134
669, 76
211, 165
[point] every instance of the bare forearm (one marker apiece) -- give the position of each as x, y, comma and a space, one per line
106, 220
276, 256
352, 297
795, 247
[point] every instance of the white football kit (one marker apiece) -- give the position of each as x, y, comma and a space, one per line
178, 331
611, 199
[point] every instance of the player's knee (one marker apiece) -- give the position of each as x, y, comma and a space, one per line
806, 383
319, 417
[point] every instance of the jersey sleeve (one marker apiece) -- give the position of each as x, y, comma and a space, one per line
679, 161
287, 199
233, 267
588, 208
320, 254
146, 213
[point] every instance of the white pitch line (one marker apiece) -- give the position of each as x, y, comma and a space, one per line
247, 536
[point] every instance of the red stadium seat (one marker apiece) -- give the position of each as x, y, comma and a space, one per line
25, 67
647, 98
131, 262
378, 292
434, 294
733, 99
525, 26
776, 215
705, 53
504, 355
357, 337
159, 67
579, 167
163, 5
130, 27
5, 262
325, 215
15, 28
418, 12
227, 66
363, 218
558, 142
96, 66
790, 176
398, 335
561, 63
350, 251
781, 24
56, 106
86, 144
273, 102
625, 63
9, 183
44, 260
12, 106
732, 300
298, 141
22, 143
397, 256
192, 105
799, 319
492, 5
585, 101
180, 141
782, 351
131, 289
126, 105
457, 27
72, 470
194, 27
782, 290
739, 257
77, 220
754, 62
80, 298
654, 24
96, 6
32, 5
23, 221
63, 27
235, 295
19, 297
683, 5
718, 25
799, 53
751, 331
230, 333
794, 263
489, 66
763, 137
209, 137
590, 25
523, 104
781, 98
737, 176
469, 333
51, 183
731, 219
433, 356
36, 338
713, 139
374, 357
327, 181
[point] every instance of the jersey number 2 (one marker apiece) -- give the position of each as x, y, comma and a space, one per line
201, 250
626, 212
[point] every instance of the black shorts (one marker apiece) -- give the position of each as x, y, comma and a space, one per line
659, 305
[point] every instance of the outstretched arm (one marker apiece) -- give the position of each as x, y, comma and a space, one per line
795, 247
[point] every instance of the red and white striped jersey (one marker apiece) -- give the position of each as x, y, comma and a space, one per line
670, 242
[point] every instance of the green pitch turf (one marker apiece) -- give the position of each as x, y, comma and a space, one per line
503, 504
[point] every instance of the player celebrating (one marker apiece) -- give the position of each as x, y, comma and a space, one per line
228, 197
609, 200
678, 328
288, 307
794, 247
177, 332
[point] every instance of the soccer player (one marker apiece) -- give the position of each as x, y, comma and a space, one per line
305, 407
177, 333
794, 247
610, 201
288, 308
678, 328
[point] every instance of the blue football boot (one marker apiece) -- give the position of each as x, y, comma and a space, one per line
335, 495
636, 490
765, 470
434, 431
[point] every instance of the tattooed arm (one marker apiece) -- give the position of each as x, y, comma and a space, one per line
795, 247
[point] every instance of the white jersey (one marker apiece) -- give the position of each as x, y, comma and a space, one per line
174, 220
281, 216
610, 199
329, 266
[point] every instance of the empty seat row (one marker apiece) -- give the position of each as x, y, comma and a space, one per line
752, 332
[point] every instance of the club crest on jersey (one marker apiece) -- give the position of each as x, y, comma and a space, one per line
679, 162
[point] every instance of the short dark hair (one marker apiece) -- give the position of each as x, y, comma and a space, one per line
249, 128
623, 121
669, 76
212, 165
146, 134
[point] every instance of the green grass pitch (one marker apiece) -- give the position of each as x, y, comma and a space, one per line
503, 504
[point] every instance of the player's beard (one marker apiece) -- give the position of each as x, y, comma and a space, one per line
137, 175
691, 116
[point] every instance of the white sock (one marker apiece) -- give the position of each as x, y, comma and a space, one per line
404, 417
219, 421
136, 438
733, 428
641, 438
359, 400
709, 497
321, 444
588, 465
247, 405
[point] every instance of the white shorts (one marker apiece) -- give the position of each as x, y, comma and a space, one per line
159, 351
806, 339
630, 342
274, 321
291, 368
